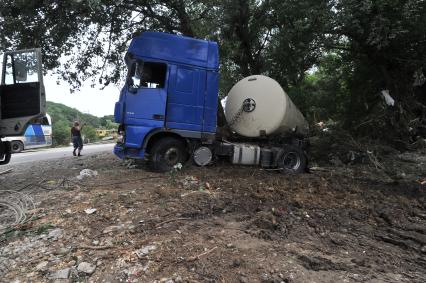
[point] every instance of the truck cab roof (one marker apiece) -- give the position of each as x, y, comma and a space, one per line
176, 48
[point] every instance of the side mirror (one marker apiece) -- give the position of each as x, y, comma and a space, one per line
133, 89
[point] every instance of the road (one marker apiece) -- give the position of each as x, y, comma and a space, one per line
55, 153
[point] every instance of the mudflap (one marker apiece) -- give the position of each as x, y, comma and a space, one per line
5, 152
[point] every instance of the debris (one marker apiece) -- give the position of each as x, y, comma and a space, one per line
60, 274
61, 251
90, 210
96, 247
54, 234
41, 266
113, 228
171, 220
86, 267
388, 99
130, 164
14, 207
137, 270
178, 166
72, 263
319, 169
190, 182
143, 252
193, 258
85, 173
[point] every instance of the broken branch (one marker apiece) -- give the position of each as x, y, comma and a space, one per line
193, 258
171, 220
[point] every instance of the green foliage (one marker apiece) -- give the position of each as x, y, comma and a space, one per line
61, 132
63, 118
107, 122
89, 133
333, 57
324, 94
60, 112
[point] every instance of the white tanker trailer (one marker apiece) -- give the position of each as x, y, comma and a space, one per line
266, 128
258, 106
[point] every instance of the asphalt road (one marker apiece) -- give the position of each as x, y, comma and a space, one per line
55, 153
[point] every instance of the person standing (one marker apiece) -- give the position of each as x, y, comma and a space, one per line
77, 141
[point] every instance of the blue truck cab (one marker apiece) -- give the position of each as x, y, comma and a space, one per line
170, 96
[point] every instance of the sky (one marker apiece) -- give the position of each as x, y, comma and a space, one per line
87, 100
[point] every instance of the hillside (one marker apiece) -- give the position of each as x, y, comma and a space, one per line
64, 116
61, 112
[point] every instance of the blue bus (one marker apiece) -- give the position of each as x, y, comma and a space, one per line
37, 134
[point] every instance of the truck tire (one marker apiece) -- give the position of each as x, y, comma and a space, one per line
292, 160
17, 146
166, 153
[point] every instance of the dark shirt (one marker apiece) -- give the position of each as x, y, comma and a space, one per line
75, 132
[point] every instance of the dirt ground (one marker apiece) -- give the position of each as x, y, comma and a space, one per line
220, 223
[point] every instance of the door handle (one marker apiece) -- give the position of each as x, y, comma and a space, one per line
158, 117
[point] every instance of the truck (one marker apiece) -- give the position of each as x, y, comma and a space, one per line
22, 96
169, 110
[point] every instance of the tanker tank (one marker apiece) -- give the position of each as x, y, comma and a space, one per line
257, 105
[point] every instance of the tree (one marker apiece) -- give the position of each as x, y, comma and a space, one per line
89, 134
386, 45
92, 36
61, 133
343, 51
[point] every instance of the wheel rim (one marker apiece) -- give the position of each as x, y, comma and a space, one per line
15, 146
291, 161
172, 156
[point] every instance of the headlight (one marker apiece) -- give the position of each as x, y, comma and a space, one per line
120, 134
120, 138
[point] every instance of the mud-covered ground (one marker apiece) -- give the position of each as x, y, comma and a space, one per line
221, 223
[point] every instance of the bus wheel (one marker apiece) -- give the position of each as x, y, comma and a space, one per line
17, 146
166, 153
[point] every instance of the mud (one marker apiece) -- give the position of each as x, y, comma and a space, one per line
218, 224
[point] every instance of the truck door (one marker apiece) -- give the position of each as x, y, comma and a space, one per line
146, 98
185, 104
22, 95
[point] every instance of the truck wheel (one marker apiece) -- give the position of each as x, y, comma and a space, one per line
17, 146
292, 160
166, 153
